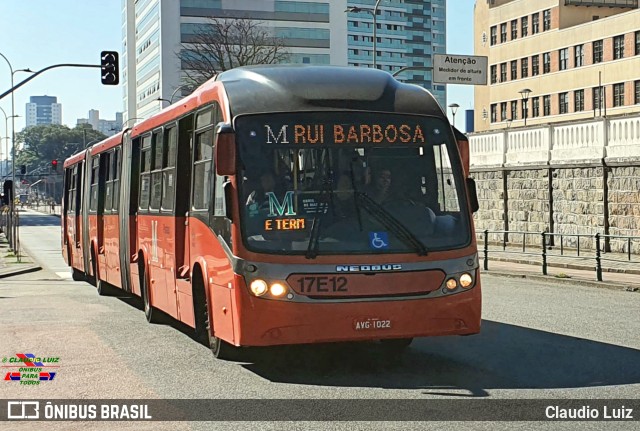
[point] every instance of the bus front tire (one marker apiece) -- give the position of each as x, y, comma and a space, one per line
204, 329
77, 275
396, 345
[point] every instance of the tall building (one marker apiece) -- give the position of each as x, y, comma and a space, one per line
562, 60
408, 33
43, 110
106, 127
154, 29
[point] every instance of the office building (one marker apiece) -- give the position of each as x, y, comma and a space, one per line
43, 110
556, 61
408, 33
106, 127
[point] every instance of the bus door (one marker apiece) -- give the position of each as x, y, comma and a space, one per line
181, 259
126, 204
128, 211
167, 222
157, 223
96, 209
111, 222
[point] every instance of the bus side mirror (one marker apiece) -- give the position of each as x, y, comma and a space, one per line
473, 194
225, 150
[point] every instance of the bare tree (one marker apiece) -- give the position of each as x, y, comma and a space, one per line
225, 43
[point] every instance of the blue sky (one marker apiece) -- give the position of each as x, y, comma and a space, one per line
37, 33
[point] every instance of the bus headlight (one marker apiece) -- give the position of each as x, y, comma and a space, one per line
466, 280
277, 289
451, 284
259, 287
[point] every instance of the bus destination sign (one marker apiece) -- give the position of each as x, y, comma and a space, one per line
309, 134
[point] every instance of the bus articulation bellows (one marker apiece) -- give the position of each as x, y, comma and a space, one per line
284, 205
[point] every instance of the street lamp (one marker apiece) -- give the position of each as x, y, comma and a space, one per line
374, 13
454, 108
6, 130
508, 121
14, 243
524, 93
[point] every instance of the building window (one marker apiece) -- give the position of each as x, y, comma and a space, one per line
564, 58
636, 92
494, 74
494, 35
514, 110
578, 54
564, 103
535, 23
578, 100
546, 105
503, 32
503, 111
494, 116
514, 70
514, 29
618, 94
637, 51
524, 67
597, 51
546, 20
596, 97
546, 62
524, 26
535, 65
535, 103
503, 72
618, 47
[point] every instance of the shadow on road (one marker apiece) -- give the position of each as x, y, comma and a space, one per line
38, 220
501, 357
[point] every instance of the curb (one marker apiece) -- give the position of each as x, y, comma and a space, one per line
23, 270
566, 281
565, 265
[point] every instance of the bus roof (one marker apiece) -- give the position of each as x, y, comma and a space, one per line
75, 158
294, 88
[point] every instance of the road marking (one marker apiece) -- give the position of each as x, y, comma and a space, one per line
64, 275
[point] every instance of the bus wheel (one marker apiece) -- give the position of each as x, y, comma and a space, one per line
220, 348
396, 345
150, 312
102, 287
77, 275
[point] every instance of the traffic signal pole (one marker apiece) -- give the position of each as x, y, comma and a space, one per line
20, 84
109, 76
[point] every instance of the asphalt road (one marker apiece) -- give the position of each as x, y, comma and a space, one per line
538, 341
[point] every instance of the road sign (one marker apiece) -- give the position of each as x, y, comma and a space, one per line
460, 69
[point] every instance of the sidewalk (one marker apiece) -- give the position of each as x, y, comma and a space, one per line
617, 270
9, 264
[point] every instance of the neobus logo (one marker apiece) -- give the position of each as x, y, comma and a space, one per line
367, 268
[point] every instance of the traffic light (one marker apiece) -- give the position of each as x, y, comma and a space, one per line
109, 67
23, 169
54, 165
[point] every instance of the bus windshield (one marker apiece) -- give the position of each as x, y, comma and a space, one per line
357, 183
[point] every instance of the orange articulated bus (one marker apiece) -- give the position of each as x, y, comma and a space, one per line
285, 205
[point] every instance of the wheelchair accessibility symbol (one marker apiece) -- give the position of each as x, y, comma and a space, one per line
378, 240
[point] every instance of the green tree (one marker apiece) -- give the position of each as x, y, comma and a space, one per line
42, 144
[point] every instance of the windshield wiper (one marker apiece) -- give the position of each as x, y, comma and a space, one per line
323, 205
391, 223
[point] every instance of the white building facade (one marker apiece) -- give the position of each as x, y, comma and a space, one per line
43, 110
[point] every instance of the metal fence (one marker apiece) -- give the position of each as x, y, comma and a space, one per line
548, 248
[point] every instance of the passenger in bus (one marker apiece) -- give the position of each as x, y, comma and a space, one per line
258, 199
380, 188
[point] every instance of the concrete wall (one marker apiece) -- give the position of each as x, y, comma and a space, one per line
568, 178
